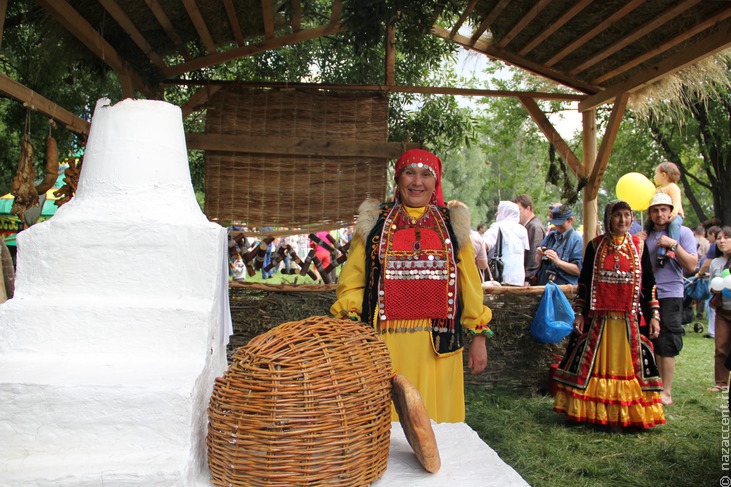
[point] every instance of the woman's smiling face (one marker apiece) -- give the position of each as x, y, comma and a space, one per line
416, 186
723, 242
620, 222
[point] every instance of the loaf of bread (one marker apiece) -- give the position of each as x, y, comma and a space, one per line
415, 422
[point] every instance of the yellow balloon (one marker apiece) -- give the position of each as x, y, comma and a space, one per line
635, 189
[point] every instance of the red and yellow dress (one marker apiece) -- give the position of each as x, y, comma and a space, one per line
408, 277
609, 375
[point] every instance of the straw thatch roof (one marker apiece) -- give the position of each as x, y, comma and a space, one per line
600, 48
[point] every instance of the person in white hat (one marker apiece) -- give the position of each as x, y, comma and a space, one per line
669, 282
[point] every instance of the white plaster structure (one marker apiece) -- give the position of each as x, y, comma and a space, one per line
110, 347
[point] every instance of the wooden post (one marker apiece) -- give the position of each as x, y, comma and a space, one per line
3, 11
588, 119
3, 291
390, 55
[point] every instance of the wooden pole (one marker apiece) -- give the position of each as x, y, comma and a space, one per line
3, 11
588, 119
390, 55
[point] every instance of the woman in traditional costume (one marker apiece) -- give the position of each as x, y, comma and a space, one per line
609, 375
411, 274
722, 305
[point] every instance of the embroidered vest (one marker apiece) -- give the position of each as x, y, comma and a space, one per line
617, 276
411, 272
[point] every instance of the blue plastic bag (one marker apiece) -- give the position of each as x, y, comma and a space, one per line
554, 319
698, 288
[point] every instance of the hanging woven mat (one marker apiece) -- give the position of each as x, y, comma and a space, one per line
304, 404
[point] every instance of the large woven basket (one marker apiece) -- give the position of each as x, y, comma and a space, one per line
304, 404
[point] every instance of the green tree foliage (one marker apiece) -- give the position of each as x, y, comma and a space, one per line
509, 156
463, 179
36, 52
685, 119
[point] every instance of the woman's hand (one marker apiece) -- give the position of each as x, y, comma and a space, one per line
654, 328
477, 354
579, 323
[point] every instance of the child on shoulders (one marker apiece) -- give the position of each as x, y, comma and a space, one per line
667, 175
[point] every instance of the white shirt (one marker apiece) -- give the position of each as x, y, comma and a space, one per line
515, 242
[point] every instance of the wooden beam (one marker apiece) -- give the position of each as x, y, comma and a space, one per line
553, 136
253, 48
118, 14
510, 58
267, 16
588, 141
434, 90
445, 90
82, 30
524, 21
286, 288
337, 11
125, 82
34, 101
200, 25
199, 99
167, 26
296, 16
605, 150
488, 20
233, 22
390, 55
718, 41
620, 44
568, 289
295, 146
665, 46
601, 27
560, 22
3, 12
465, 15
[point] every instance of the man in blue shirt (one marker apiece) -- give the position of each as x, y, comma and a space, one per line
669, 285
561, 252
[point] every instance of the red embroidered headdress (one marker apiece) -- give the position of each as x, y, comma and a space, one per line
421, 158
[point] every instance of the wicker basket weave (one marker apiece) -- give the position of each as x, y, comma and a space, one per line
306, 403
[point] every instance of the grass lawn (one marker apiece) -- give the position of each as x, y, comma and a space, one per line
546, 451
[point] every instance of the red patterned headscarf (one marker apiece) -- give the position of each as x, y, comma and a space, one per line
421, 158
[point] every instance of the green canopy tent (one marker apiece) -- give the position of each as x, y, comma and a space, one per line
11, 224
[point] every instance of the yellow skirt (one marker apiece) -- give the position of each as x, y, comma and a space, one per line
438, 378
613, 395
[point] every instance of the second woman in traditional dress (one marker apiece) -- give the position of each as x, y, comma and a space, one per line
609, 375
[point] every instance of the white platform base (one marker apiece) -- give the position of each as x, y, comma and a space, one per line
467, 461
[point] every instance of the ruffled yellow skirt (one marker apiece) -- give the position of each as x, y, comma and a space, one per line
438, 378
613, 395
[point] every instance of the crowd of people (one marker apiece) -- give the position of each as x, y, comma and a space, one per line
276, 255
655, 259
415, 272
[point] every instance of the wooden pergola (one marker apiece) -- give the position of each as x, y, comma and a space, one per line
604, 50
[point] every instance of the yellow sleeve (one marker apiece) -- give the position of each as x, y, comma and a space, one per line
475, 315
351, 283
